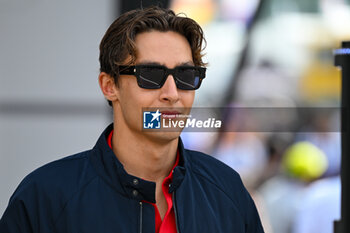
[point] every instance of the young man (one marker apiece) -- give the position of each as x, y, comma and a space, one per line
135, 180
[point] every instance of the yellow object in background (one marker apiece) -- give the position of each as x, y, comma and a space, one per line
202, 11
322, 81
305, 161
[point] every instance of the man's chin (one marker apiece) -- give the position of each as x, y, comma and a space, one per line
163, 136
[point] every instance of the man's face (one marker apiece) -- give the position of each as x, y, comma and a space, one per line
164, 48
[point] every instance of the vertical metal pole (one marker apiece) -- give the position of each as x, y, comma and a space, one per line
342, 60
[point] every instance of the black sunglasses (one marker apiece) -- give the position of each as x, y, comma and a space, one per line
154, 76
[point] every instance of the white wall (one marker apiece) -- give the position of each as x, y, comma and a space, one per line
50, 102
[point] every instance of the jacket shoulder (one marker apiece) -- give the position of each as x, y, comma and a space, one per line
212, 169
64, 177
220, 176
43, 194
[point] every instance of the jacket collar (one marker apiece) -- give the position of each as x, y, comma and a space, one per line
112, 171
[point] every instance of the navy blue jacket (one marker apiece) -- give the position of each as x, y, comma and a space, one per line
91, 192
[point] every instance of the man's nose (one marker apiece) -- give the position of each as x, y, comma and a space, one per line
169, 91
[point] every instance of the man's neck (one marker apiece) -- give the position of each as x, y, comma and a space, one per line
143, 157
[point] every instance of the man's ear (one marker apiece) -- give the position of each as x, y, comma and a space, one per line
108, 86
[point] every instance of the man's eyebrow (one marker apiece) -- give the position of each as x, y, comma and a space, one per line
150, 63
188, 63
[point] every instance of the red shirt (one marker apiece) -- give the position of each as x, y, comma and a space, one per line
168, 225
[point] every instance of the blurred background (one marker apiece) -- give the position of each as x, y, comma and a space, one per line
261, 54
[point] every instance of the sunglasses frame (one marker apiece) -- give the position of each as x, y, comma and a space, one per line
136, 70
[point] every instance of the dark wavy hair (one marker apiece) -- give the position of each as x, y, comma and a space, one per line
119, 40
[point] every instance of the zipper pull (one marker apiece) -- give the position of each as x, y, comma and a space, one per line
141, 207
175, 213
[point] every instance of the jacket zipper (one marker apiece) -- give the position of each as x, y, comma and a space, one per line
141, 207
175, 213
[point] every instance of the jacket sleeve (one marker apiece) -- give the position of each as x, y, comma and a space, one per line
16, 218
28, 210
253, 223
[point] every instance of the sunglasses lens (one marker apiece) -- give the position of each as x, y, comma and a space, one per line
150, 77
187, 78
153, 77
